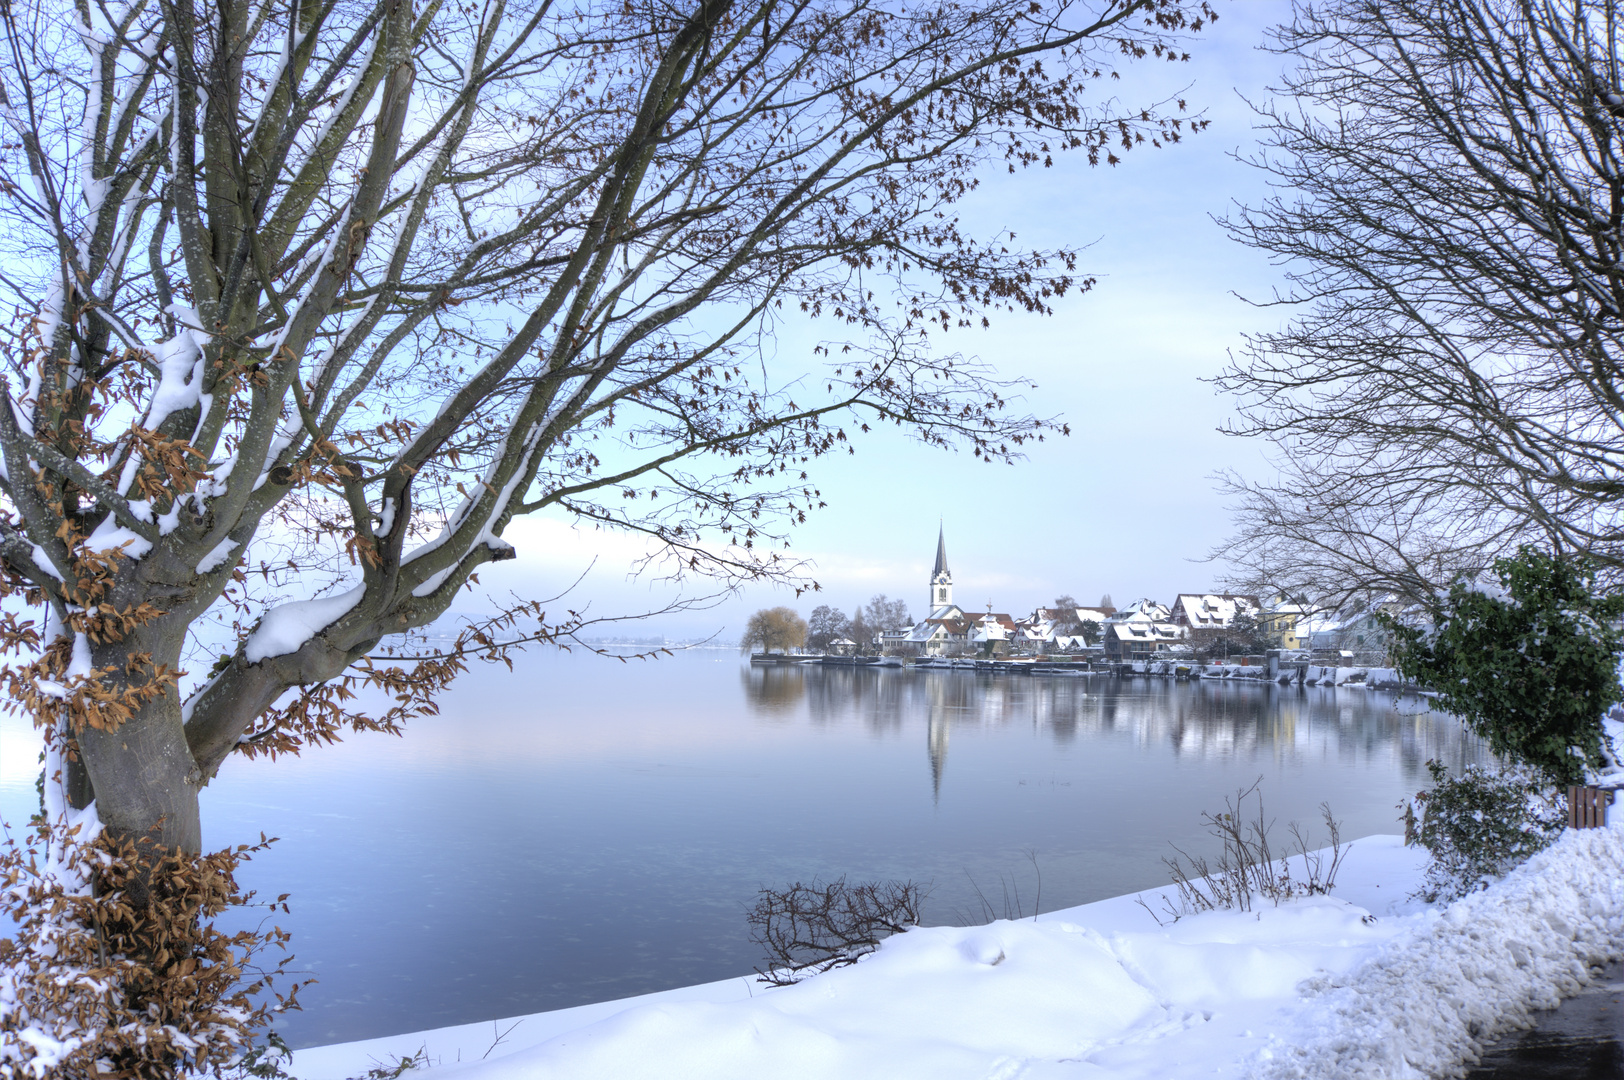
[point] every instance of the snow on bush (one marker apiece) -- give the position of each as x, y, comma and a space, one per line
809, 929
1480, 824
113, 968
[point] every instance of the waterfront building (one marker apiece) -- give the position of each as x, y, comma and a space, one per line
992, 632
1140, 630
1286, 621
1211, 611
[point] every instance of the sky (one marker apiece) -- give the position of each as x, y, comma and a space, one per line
1126, 505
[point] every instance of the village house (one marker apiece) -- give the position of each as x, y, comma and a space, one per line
1050, 628
1360, 635
1140, 630
1034, 634
992, 633
1210, 611
1286, 622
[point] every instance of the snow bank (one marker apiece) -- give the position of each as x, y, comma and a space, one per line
1235, 671
1436, 996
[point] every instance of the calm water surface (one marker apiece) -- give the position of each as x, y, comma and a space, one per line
583, 829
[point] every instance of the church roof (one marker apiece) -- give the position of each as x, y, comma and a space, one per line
941, 553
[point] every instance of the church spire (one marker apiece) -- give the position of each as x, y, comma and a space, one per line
941, 579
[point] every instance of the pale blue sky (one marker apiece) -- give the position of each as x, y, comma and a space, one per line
1124, 505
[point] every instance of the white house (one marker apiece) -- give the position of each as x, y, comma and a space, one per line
1140, 629
1210, 611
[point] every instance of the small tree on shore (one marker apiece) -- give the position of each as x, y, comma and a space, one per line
777, 629
826, 626
1243, 636
1063, 613
1531, 667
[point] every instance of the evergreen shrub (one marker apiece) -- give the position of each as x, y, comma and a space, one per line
1480, 824
1531, 667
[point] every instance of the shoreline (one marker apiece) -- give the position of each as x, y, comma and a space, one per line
1376, 878
1365, 982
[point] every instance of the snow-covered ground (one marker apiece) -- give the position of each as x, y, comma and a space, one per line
1367, 983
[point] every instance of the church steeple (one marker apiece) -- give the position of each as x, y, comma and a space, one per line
941, 579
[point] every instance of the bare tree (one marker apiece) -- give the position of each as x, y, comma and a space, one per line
314, 299
1063, 613
1452, 192
883, 613
825, 626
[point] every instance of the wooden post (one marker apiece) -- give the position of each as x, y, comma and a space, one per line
1587, 806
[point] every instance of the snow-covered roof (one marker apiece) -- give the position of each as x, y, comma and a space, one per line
1141, 610
1145, 630
1208, 610
937, 624
993, 626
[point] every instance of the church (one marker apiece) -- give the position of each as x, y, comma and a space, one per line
948, 628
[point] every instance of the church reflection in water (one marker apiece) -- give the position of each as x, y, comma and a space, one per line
1199, 719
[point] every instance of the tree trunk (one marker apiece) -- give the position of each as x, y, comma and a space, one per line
142, 775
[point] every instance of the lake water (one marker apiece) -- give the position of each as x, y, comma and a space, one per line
583, 829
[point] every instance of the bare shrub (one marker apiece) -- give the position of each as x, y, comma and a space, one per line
114, 969
1014, 908
810, 929
1247, 869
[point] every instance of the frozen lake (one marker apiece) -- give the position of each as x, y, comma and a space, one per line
583, 829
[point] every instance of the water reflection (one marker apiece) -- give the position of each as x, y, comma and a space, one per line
612, 841
775, 689
1204, 719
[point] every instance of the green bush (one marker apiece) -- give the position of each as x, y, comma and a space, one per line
1532, 670
1481, 824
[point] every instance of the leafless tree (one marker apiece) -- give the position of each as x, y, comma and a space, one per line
825, 626
1451, 192
313, 300
883, 613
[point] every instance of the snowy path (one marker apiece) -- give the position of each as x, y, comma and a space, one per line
1366, 984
